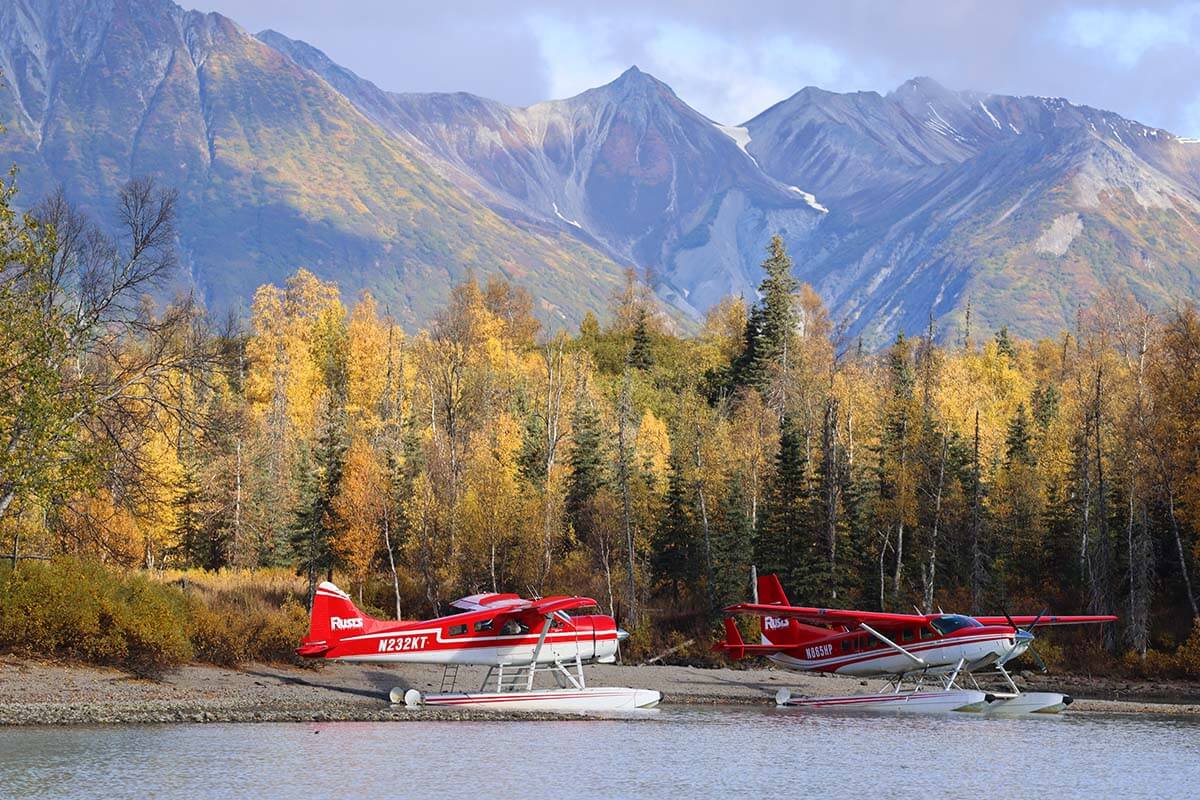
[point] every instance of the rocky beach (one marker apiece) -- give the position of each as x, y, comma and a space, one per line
42, 693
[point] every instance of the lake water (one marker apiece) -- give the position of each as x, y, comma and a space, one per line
675, 752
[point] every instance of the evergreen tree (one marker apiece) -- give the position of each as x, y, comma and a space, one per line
189, 531
1004, 343
771, 324
311, 532
1016, 443
532, 458
676, 561
784, 543
1045, 404
750, 368
777, 289
587, 463
639, 354
732, 546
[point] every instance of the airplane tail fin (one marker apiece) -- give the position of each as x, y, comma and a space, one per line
781, 630
333, 617
770, 591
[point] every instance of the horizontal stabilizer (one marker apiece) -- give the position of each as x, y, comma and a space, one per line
738, 649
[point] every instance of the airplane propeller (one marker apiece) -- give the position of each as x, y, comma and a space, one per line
1028, 631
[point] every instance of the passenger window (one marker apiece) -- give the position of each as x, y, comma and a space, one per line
845, 645
457, 630
486, 625
906, 635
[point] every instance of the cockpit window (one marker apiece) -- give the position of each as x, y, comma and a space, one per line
513, 628
953, 622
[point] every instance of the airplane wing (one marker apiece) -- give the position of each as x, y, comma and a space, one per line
486, 602
1048, 619
513, 607
827, 616
551, 605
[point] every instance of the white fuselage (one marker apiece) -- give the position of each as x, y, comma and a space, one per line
938, 655
432, 646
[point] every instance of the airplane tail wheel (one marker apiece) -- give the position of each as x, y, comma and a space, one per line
782, 696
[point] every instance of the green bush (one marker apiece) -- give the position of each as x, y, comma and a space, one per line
82, 610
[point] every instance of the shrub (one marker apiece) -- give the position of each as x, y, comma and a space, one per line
230, 634
75, 609
82, 610
237, 616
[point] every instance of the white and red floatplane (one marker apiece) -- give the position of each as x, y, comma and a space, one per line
931, 662
515, 638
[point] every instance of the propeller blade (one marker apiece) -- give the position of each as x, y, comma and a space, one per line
1041, 664
1037, 619
1008, 617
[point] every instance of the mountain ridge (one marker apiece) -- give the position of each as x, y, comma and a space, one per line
895, 206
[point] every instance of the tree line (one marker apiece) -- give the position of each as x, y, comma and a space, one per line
623, 460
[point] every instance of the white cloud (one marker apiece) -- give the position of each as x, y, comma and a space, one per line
724, 77
1129, 34
730, 60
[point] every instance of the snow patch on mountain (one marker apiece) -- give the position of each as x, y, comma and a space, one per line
938, 124
558, 214
810, 199
995, 121
740, 137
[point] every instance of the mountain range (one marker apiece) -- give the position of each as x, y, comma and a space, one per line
895, 207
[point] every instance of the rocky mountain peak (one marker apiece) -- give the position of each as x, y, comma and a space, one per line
632, 84
894, 206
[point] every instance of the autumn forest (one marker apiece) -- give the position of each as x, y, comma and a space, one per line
622, 460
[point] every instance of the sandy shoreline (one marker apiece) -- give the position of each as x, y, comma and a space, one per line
38, 693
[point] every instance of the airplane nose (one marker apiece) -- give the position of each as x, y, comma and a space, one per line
1023, 637
622, 635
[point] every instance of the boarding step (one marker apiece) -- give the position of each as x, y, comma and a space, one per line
449, 678
514, 679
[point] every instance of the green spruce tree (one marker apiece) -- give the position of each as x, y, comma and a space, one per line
587, 463
319, 474
640, 357
1017, 442
732, 545
784, 543
778, 313
676, 560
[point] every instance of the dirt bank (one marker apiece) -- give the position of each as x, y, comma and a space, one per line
44, 693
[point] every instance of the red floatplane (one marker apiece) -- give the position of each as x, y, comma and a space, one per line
514, 637
932, 662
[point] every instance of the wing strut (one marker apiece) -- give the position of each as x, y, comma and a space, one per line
916, 660
538, 650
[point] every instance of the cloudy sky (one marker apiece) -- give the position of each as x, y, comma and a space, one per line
732, 59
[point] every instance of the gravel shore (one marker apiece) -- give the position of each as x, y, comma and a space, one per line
37, 693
